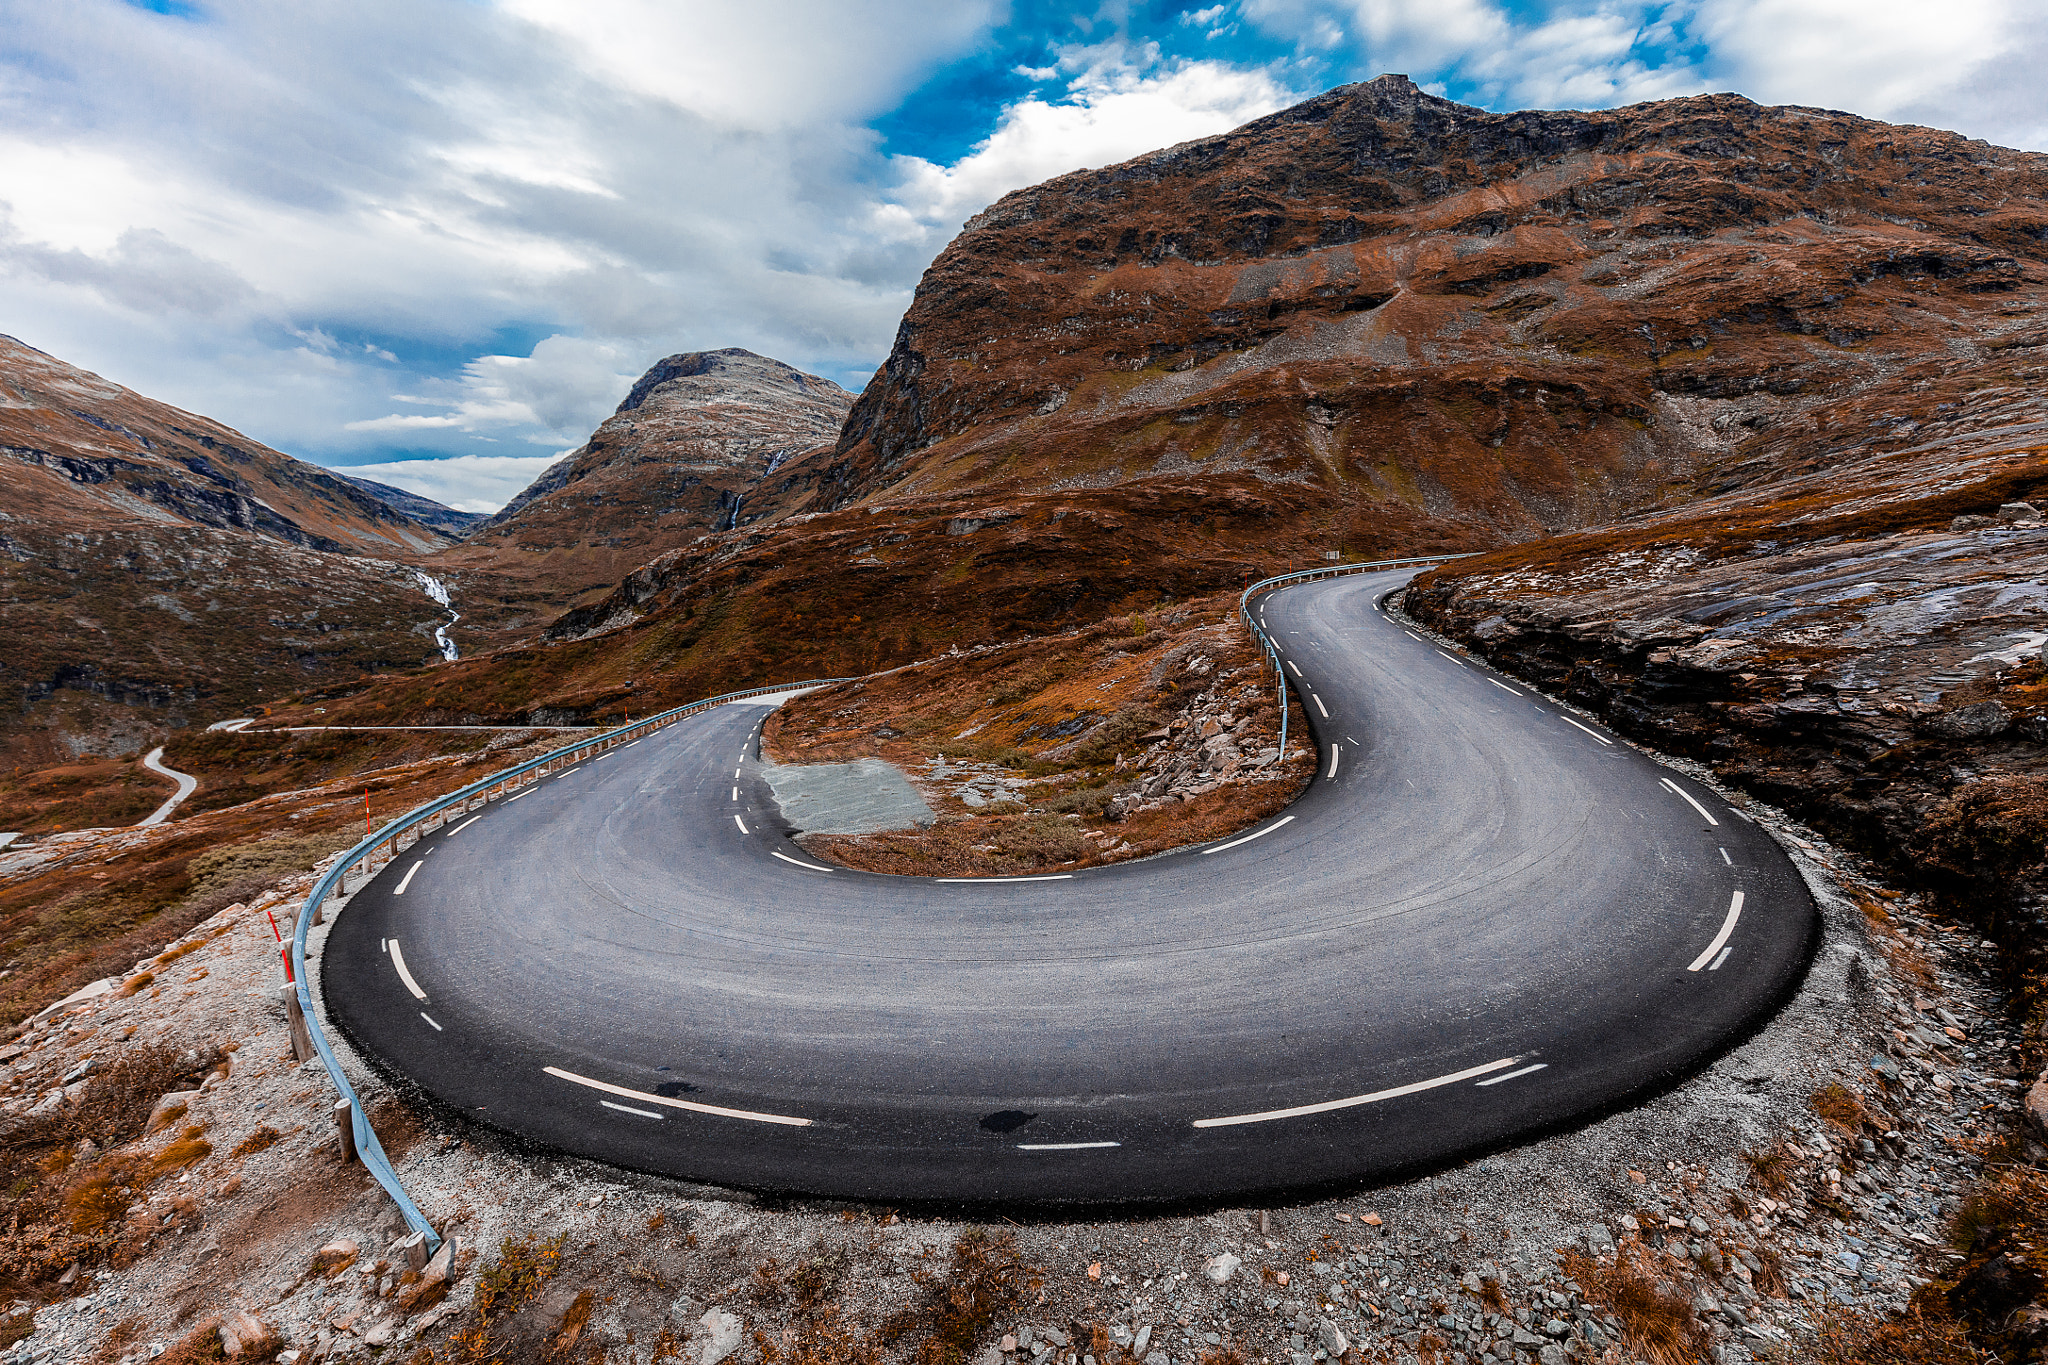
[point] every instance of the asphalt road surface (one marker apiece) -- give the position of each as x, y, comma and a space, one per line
1484, 919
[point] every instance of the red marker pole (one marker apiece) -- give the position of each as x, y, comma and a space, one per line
284, 950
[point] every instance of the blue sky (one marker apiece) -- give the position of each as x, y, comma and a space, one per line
436, 240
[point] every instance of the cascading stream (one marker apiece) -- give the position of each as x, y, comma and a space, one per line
436, 589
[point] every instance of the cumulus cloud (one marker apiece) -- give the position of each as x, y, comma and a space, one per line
1121, 100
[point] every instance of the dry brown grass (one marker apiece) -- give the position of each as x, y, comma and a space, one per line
1658, 1323
1840, 1106
1770, 1170
1847, 1336
189, 1149
260, 1140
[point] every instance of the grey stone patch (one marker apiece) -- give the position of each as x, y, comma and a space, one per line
865, 796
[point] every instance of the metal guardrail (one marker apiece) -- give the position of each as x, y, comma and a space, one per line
1258, 631
364, 856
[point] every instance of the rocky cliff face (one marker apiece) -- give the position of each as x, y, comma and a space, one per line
159, 566
696, 447
1530, 322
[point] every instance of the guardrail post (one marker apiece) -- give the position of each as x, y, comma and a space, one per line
345, 1120
302, 1041
414, 1249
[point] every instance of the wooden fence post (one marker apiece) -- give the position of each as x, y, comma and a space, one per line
302, 1037
344, 1119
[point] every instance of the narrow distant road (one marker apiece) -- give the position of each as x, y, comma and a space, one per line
1484, 919
187, 784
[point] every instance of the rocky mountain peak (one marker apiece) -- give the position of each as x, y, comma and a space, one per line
733, 364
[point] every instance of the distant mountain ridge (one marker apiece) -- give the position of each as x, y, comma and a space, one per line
418, 506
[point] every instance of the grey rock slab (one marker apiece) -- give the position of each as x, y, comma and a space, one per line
866, 796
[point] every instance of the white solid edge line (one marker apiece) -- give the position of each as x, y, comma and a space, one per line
690, 1105
464, 825
1062, 1146
1720, 939
398, 961
983, 881
406, 880
430, 1019
1496, 1080
787, 859
1594, 733
1502, 686
1249, 837
741, 823
1680, 791
1715, 966
629, 1109
1319, 705
1374, 1098
1335, 749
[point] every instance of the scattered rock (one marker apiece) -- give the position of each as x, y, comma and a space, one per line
723, 1339
1221, 1267
1332, 1340
242, 1331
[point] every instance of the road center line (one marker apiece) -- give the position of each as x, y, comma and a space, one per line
1594, 733
398, 961
1063, 1146
1374, 1098
1720, 939
464, 825
741, 823
1682, 792
1496, 1080
1503, 686
1249, 837
623, 1093
787, 859
406, 880
1319, 705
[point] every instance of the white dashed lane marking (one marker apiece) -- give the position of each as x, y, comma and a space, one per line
1063, 1146
464, 825
741, 823
1594, 733
1496, 1080
406, 880
799, 862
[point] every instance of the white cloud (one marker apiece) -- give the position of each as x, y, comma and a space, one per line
1970, 64
1121, 101
468, 483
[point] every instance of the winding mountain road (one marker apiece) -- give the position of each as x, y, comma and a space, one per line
1484, 919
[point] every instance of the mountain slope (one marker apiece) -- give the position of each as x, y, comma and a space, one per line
685, 454
160, 569
1539, 321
